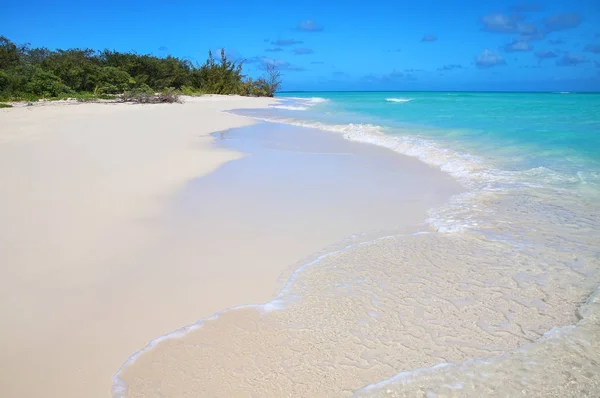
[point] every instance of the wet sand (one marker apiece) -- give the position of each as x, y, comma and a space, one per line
108, 241
491, 309
298, 191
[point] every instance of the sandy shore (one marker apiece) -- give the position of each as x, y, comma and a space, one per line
377, 307
107, 243
121, 224
82, 188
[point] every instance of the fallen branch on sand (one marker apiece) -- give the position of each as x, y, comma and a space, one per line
144, 97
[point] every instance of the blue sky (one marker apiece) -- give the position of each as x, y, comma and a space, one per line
343, 45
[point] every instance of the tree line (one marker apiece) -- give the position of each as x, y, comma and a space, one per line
28, 73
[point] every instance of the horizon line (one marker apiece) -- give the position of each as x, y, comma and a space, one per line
439, 91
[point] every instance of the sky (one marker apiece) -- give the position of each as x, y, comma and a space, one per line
342, 45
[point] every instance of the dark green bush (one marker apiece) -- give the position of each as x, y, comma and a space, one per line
112, 80
189, 90
30, 73
4, 81
46, 84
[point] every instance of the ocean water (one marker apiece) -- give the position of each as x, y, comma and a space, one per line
531, 163
496, 296
515, 131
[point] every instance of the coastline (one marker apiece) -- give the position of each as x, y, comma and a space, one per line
499, 309
496, 302
316, 197
115, 256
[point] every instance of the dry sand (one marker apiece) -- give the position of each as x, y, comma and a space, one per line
101, 252
82, 187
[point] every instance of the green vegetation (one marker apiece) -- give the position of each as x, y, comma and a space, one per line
5, 105
28, 73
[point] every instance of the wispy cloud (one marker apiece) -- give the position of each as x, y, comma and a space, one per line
429, 38
488, 59
571, 60
518, 45
279, 63
309, 26
562, 21
501, 23
534, 36
285, 42
545, 54
592, 48
393, 76
449, 67
274, 50
303, 51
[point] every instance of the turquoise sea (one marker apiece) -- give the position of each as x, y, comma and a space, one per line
530, 165
560, 131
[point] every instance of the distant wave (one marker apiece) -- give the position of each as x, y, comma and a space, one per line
290, 107
398, 99
310, 101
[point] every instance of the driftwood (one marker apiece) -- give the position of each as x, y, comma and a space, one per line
143, 97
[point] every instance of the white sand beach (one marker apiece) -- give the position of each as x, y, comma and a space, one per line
123, 225
82, 187
103, 250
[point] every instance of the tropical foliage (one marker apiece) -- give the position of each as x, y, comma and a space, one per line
31, 73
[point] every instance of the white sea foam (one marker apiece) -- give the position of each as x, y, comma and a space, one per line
398, 100
119, 386
309, 101
290, 107
476, 174
460, 165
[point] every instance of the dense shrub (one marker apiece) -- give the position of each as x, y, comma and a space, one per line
46, 84
223, 77
189, 90
27, 73
112, 80
9, 54
4, 81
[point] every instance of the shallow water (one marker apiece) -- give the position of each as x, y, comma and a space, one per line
493, 297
